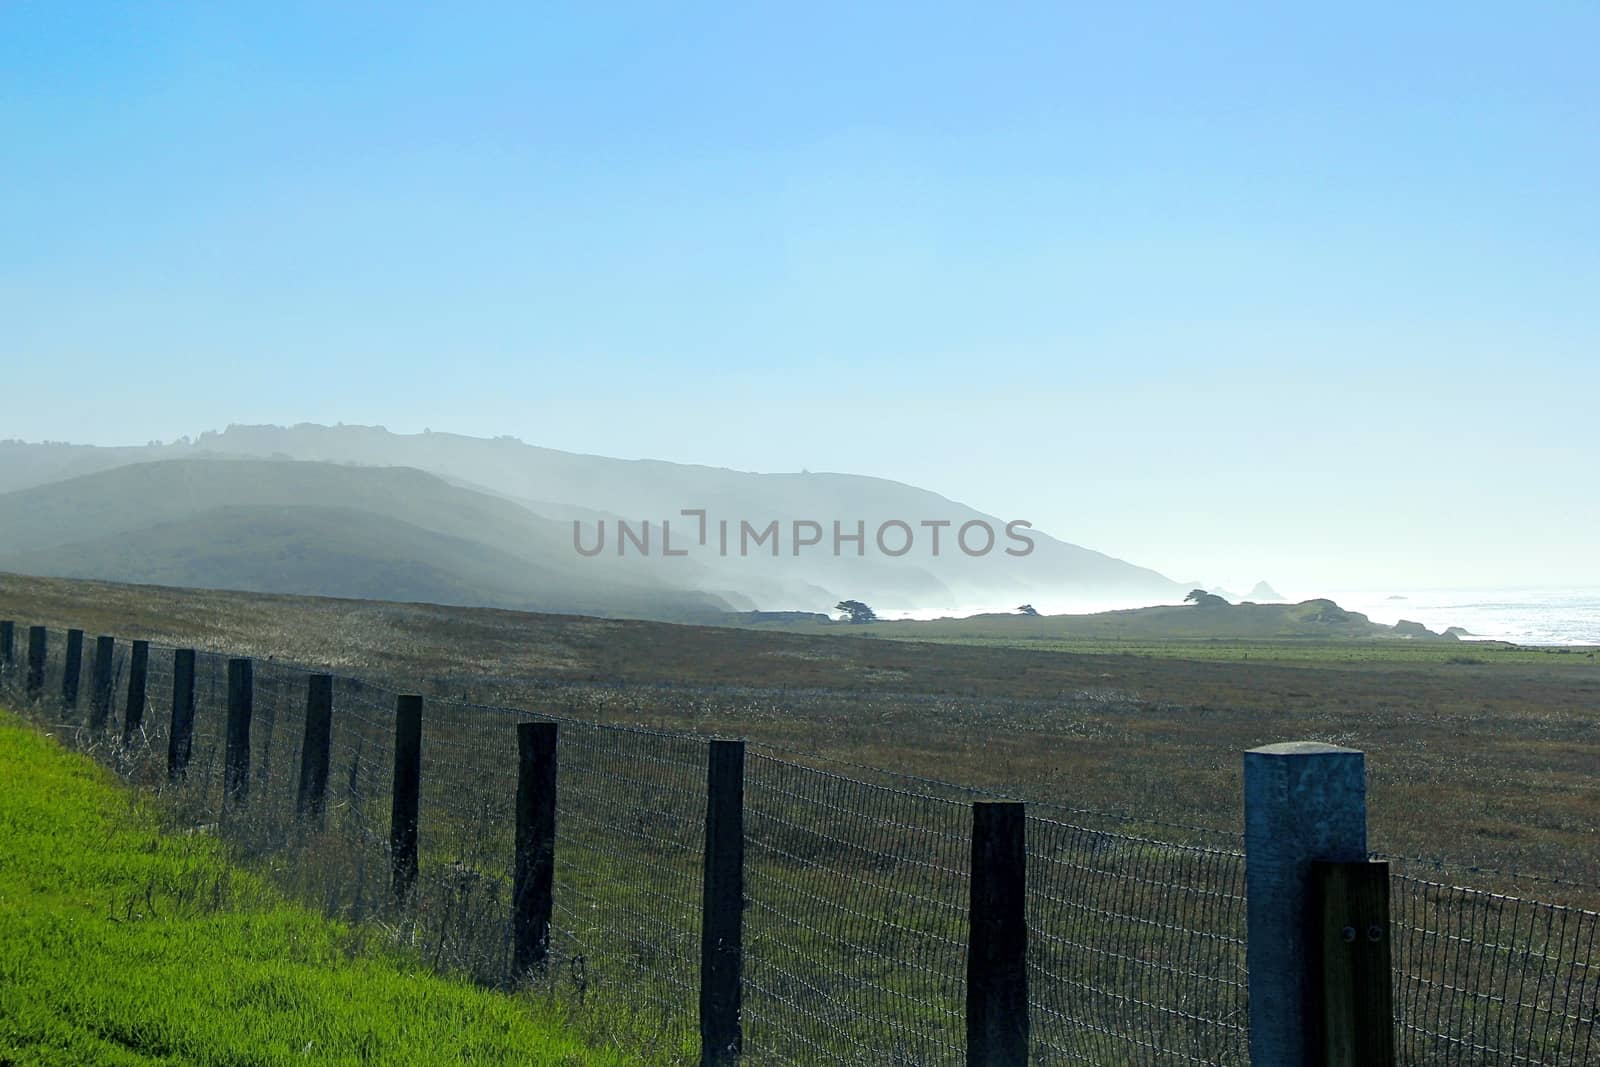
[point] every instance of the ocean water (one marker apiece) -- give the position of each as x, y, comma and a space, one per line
1525, 616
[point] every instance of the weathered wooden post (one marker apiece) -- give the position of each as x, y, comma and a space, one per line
1354, 971
38, 639
138, 680
105, 651
1304, 801
311, 799
533, 881
241, 707
722, 907
406, 796
72, 669
997, 946
180, 735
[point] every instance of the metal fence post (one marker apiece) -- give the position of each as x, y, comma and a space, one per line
533, 880
1303, 801
722, 907
72, 669
310, 799
138, 675
38, 640
180, 735
997, 945
406, 796
105, 651
1354, 971
241, 706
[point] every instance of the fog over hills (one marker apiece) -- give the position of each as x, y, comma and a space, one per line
359, 511
281, 526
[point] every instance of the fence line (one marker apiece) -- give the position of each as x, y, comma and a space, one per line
856, 934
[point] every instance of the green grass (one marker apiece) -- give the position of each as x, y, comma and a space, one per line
1244, 633
121, 945
1287, 650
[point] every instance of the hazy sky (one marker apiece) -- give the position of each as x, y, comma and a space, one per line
1222, 289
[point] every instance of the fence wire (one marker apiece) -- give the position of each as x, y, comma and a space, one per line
630, 826
855, 924
1483, 978
856, 881
1136, 949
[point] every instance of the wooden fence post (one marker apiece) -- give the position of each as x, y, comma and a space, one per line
241, 706
1353, 970
1303, 801
533, 881
406, 796
138, 678
311, 799
997, 948
38, 639
8, 644
105, 651
722, 907
180, 735
72, 669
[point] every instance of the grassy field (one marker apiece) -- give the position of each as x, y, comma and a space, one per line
1281, 650
121, 945
1309, 633
856, 894
1479, 756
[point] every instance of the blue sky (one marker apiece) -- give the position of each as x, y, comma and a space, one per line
1228, 290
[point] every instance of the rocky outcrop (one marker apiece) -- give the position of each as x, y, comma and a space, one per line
1407, 628
1326, 611
779, 616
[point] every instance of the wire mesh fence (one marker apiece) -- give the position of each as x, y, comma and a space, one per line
1484, 978
629, 837
857, 883
856, 920
1137, 949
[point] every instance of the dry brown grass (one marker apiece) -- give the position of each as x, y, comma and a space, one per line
1488, 764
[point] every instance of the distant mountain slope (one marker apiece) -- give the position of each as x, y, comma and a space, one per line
138, 495
563, 486
332, 551
341, 552
24, 465
387, 533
